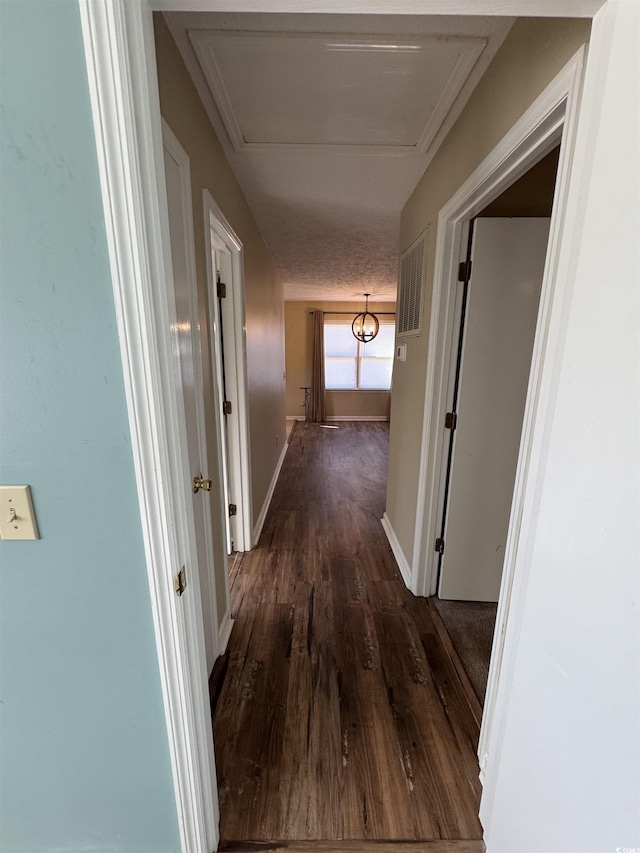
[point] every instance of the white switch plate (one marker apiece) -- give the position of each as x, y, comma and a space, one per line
401, 352
17, 518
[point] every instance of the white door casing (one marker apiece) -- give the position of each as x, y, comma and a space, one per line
507, 265
224, 252
552, 118
120, 55
506, 8
185, 333
458, 308
591, 344
221, 273
549, 120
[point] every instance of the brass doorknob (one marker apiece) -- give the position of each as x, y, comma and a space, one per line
199, 483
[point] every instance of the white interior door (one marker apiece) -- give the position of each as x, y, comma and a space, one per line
508, 257
189, 381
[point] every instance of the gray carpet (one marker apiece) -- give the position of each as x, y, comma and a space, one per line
470, 625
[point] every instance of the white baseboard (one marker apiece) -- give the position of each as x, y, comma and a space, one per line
257, 530
224, 632
359, 418
398, 553
345, 418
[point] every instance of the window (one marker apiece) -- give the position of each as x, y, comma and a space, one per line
350, 365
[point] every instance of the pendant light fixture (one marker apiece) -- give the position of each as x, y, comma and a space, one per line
365, 325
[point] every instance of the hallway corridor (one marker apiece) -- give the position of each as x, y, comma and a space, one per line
341, 715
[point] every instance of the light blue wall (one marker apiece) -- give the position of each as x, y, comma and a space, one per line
84, 758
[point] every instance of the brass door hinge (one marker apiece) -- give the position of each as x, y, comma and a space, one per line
227, 408
221, 289
180, 582
450, 420
233, 510
464, 271
439, 547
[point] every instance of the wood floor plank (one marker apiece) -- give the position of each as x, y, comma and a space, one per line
255, 735
341, 715
371, 758
430, 750
293, 793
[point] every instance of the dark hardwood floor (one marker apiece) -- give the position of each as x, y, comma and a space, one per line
341, 715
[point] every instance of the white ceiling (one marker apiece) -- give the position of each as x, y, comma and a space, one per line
329, 121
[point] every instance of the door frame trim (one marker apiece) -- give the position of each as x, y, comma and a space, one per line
553, 117
550, 118
236, 364
120, 55
214, 560
502, 8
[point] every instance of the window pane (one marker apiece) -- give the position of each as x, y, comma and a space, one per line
382, 345
338, 340
376, 362
375, 373
339, 372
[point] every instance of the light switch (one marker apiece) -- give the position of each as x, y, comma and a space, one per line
401, 352
17, 518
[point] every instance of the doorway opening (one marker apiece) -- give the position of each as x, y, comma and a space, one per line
228, 355
354, 379
122, 101
503, 252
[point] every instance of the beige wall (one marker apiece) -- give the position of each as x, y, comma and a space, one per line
183, 111
532, 54
532, 194
298, 343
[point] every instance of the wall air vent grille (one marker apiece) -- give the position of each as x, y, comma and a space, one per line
410, 287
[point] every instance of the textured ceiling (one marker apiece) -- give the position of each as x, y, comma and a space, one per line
328, 123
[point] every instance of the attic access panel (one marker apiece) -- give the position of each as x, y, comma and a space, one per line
318, 89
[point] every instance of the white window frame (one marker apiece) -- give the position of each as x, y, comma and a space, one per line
360, 354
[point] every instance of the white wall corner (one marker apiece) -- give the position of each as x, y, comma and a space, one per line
398, 553
257, 530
